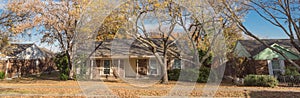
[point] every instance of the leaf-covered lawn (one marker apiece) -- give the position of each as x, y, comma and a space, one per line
53, 88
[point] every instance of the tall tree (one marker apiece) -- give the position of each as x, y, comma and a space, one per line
131, 18
283, 14
9, 21
54, 20
168, 16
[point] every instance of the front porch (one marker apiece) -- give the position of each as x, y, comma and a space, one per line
133, 67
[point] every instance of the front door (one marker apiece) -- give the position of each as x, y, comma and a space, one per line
142, 66
107, 66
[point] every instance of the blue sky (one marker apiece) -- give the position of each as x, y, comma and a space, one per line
252, 21
262, 28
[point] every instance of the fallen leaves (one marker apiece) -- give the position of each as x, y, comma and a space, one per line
66, 89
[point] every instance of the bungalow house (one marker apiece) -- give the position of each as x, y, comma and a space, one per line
262, 60
129, 58
25, 59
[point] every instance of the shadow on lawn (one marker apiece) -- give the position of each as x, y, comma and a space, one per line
274, 94
46, 76
11, 91
55, 77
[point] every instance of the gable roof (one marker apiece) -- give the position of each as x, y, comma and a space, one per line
47, 52
254, 47
16, 48
128, 47
20, 51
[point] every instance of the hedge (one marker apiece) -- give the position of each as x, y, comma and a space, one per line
2, 75
189, 74
63, 77
260, 80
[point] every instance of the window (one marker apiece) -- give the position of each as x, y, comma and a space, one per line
275, 64
107, 66
98, 63
177, 64
276, 67
153, 67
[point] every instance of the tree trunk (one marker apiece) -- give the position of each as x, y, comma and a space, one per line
71, 73
163, 64
164, 79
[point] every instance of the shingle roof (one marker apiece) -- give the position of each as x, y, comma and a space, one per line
254, 46
47, 52
16, 48
126, 47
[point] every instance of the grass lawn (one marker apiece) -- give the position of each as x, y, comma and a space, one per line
54, 88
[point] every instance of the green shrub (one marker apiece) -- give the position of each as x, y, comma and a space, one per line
2, 75
61, 62
63, 77
189, 74
203, 74
260, 80
173, 74
290, 70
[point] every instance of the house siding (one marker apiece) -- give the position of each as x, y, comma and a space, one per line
29, 67
130, 69
2, 65
27, 59
259, 67
287, 63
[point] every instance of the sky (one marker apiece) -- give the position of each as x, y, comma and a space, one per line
252, 21
262, 28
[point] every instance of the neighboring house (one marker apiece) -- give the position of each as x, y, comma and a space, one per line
26, 59
262, 60
129, 58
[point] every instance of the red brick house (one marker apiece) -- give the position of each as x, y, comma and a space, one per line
26, 59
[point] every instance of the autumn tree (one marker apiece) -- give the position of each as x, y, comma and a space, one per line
113, 22
199, 27
283, 14
54, 20
168, 16
9, 21
129, 21
4, 42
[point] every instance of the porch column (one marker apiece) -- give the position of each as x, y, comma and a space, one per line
148, 66
91, 69
270, 67
137, 68
119, 66
6, 69
37, 66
